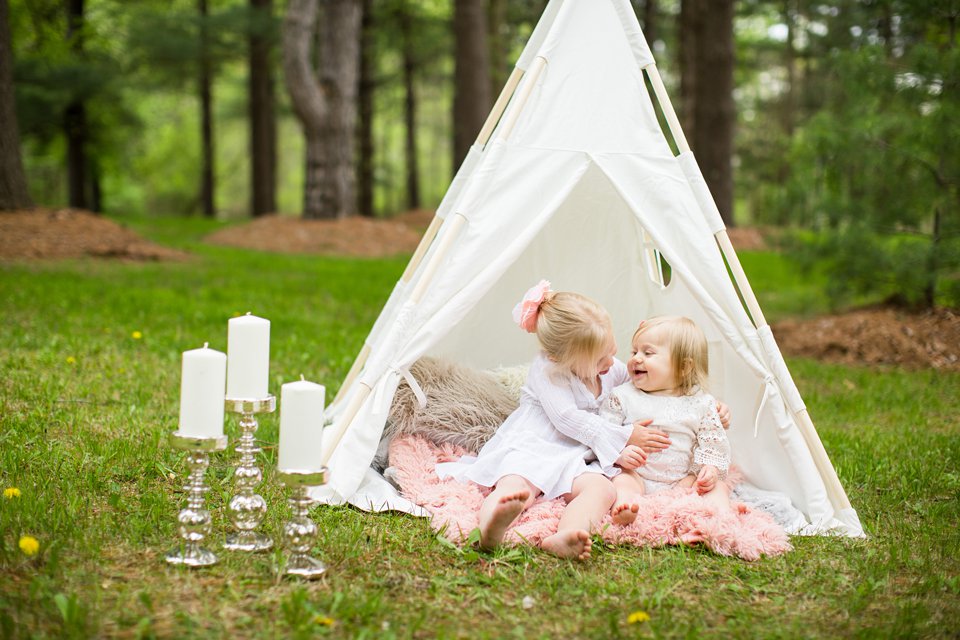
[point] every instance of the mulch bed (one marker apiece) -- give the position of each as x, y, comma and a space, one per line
42, 234
873, 336
356, 236
877, 336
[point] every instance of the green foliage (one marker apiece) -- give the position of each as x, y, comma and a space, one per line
861, 265
870, 162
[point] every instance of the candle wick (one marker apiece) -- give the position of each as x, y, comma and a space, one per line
205, 344
301, 378
249, 313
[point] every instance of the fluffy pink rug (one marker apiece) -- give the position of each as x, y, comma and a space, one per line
677, 516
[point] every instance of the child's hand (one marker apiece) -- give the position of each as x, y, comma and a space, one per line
631, 457
650, 440
707, 479
724, 412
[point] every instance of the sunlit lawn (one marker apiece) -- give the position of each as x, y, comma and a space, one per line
86, 406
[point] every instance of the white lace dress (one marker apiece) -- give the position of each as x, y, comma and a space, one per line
555, 435
692, 422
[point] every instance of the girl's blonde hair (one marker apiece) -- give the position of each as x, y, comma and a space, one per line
574, 331
688, 350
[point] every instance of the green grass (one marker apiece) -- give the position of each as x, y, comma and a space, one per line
86, 408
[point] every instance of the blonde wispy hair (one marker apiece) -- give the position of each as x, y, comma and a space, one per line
573, 331
688, 350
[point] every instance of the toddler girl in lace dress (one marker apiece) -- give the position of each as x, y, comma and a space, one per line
555, 443
667, 372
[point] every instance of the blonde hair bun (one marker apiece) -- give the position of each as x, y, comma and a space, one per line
573, 331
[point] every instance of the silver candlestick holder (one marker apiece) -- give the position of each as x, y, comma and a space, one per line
248, 508
300, 532
194, 520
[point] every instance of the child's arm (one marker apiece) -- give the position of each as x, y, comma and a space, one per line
607, 439
712, 449
649, 439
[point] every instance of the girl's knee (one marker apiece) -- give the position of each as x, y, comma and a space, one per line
604, 491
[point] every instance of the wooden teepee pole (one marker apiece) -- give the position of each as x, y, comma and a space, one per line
454, 224
492, 119
499, 106
536, 67
807, 429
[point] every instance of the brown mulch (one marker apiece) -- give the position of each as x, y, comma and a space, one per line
36, 234
877, 336
355, 236
874, 336
749, 238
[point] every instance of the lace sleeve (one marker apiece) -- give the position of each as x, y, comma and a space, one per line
712, 446
612, 409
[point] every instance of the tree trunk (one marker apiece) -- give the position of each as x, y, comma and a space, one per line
650, 21
410, 106
263, 122
14, 193
714, 113
933, 262
75, 117
471, 93
790, 63
326, 105
206, 119
497, 21
365, 111
690, 17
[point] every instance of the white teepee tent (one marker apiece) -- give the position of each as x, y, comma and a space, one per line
572, 179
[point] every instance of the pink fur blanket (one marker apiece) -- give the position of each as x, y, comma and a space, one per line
676, 516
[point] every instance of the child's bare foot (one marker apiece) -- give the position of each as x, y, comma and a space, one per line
624, 513
506, 511
571, 543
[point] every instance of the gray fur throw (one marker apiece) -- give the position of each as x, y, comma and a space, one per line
464, 406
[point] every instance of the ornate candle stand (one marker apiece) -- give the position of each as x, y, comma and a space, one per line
194, 520
300, 532
247, 508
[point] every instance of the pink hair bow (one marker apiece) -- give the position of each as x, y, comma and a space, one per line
526, 312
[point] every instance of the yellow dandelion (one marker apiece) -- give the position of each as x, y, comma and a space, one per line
71, 360
637, 617
324, 621
136, 335
11, 492
29, 545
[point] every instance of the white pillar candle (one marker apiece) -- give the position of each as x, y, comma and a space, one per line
301, 426
202, 377
248, 357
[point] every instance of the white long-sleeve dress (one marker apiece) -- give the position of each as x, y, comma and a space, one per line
697, 437
555, 435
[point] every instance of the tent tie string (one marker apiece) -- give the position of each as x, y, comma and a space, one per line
767, 391
381, 402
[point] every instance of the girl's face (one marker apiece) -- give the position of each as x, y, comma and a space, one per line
608, 353
650, 367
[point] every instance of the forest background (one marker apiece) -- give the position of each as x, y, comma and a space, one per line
830, 125
835, 120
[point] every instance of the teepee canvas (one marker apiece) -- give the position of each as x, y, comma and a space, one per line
573, 180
